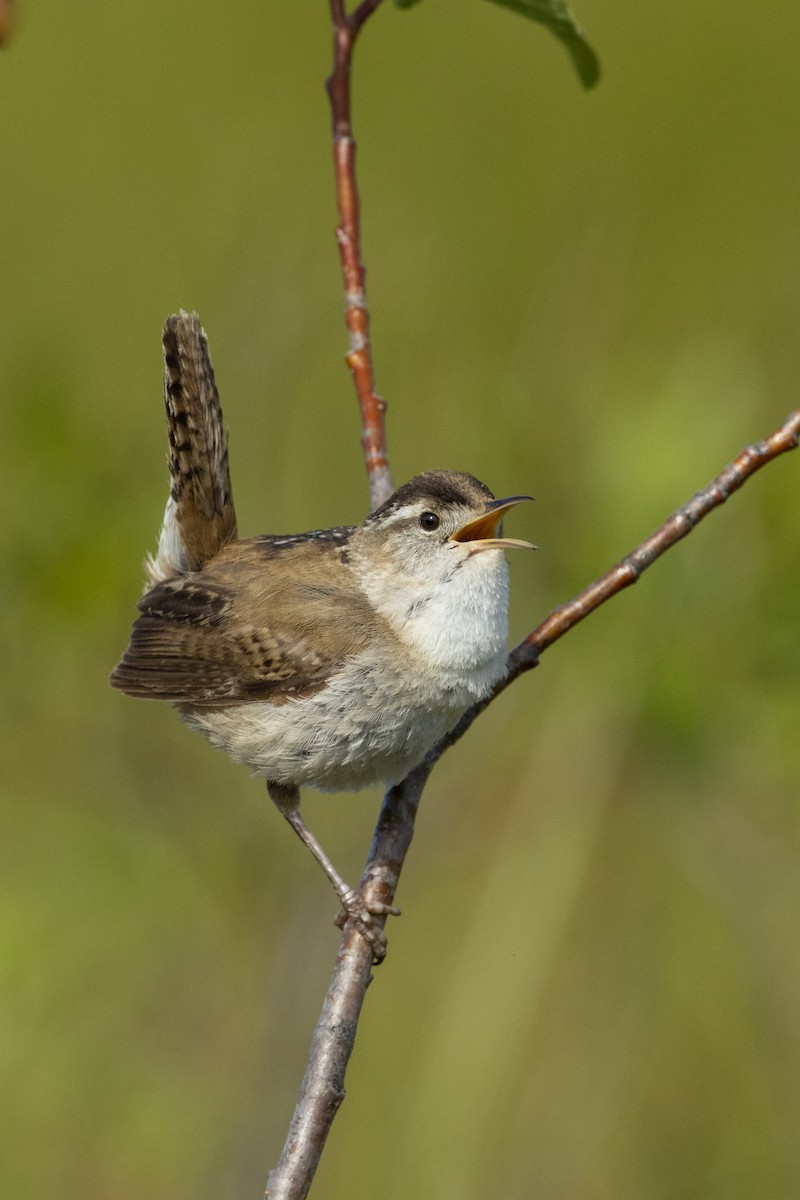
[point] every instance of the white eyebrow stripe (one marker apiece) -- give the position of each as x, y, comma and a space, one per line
405, 513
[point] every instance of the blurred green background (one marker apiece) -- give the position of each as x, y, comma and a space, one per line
594, 991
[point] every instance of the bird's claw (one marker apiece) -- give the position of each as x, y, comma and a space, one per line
363, 912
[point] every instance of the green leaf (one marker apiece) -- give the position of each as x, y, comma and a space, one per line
559, 18
406, 3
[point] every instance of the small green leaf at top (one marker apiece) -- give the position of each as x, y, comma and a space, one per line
560, 20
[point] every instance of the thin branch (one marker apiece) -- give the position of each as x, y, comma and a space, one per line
364, 10
346, 29
322, 1090
676, 527
323, 1086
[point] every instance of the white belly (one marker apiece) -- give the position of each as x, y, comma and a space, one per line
363, 727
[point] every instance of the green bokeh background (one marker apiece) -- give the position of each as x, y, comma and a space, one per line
594, 991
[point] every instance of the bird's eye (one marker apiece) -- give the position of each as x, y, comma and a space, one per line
429, 521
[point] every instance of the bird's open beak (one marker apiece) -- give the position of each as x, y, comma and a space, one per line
481, 532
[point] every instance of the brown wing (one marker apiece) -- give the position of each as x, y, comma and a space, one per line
249, 627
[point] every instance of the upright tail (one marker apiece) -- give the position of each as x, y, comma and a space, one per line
199, 518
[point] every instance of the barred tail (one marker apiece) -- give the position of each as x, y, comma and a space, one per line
199, 518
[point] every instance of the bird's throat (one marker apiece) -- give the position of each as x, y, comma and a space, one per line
455, 627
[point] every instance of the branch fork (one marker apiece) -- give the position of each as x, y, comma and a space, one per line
322, 1089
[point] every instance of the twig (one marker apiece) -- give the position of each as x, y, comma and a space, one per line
676, 527
334, 1037
346, 29
322, 1090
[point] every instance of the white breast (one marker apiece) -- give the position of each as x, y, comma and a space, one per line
458, 626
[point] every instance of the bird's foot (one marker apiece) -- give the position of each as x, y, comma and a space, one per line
363, 912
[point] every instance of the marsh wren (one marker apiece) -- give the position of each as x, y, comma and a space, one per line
336, 658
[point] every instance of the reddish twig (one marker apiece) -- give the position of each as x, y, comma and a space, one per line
323, 1086
676, 527
346, 29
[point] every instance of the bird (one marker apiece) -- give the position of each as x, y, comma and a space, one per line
335, 658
